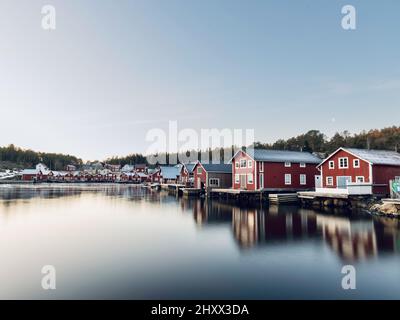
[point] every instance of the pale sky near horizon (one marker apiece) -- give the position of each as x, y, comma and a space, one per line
112, 70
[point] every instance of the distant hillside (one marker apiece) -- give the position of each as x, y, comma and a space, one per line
12, 157
316, 141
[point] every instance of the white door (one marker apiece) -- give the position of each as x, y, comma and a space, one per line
318, 180
341, 181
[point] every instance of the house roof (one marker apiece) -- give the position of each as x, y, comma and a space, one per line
170, 172
140, 165
282, 156
384, 157
217, 167
30, 171
190, 166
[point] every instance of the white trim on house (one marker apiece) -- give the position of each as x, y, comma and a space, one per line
362, 180
237, 178
302, 164
303, 179
343, 149
262, 180
288, 179
261, 164
213, 180
331, 164
329, 178
354, 163
250, 181
345, 159
288, 164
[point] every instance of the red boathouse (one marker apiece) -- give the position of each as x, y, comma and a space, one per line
274, 170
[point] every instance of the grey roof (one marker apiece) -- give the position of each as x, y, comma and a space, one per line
217, 167
377, 156
190, 166
170, 172
282, 156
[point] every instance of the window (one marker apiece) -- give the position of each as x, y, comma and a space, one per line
237, 179
303, 179
243, 163
360, 179
331, 164
343, 163
288, 164
250, 178
250, 164
329, 181
302, 165
262, 181
237, 164
261, 164
288, 179
213, 182
199, 170
356, 163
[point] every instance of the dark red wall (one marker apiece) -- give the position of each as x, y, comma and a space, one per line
352, 172
382, 175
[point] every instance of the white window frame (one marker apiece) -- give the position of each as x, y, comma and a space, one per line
329, 178
237, 164
250, 175
363, 179
288, 164
261, 180
201, 170
302, 164
288, 179
354, 163
213, 184
347, 162
261, 166
237, 178
331, 164
304, 181
243, 161
249, 163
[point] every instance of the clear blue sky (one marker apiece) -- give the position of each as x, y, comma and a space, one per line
112, 70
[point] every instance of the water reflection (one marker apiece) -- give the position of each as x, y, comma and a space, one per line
352, 237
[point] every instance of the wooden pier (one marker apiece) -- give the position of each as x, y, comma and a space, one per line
335, 200
280, 198
192, 192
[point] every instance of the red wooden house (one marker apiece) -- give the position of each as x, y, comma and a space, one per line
186, 176
359, 171
212, 176
259, 169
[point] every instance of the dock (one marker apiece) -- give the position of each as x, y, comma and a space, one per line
280, 198
338, 200
192, 192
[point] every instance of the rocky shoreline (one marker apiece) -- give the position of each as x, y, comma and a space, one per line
388, 209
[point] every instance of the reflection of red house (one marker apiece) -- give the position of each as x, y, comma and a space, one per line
367, 170
274, 169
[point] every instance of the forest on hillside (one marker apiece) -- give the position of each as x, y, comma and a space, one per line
312, 141
13, 157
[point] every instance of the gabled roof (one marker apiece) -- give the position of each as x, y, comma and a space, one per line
189, 166
170, 172
382, 157
281, 156
217, 167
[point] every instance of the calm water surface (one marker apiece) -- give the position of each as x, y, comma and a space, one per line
124, 242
